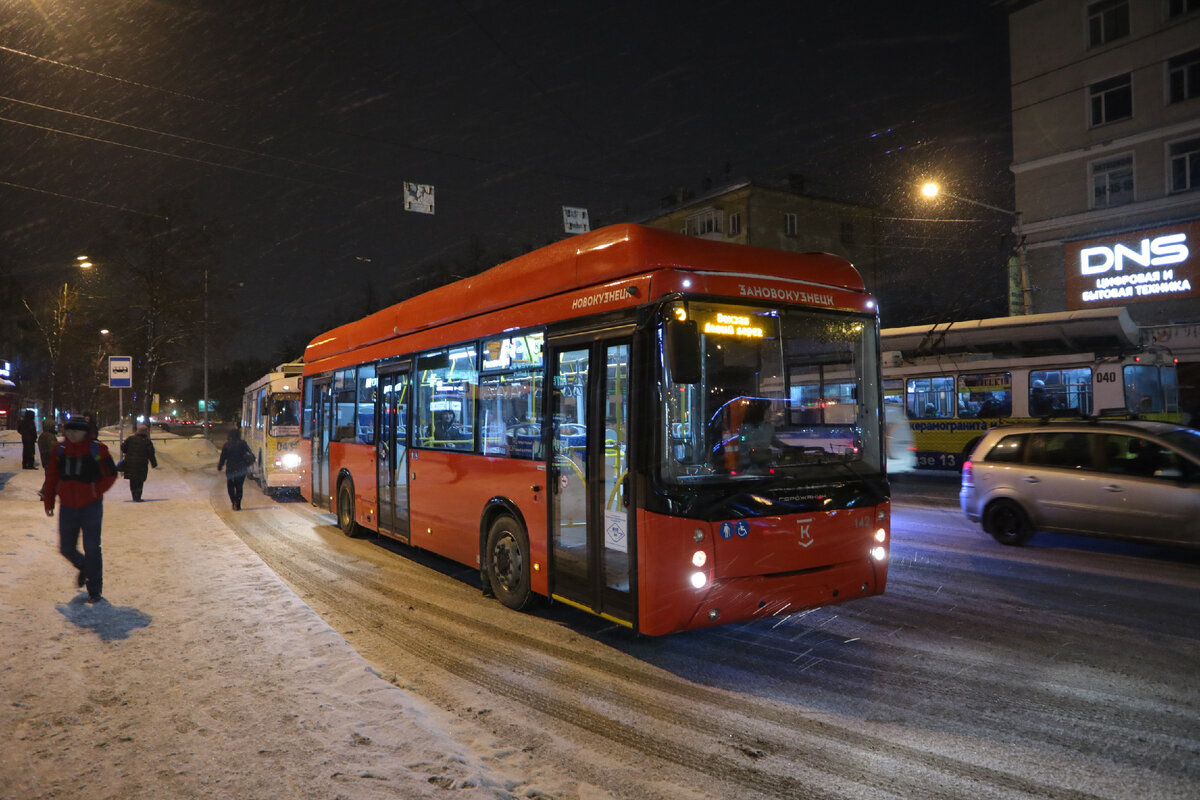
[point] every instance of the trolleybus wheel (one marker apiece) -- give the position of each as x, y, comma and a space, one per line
345, 509
1007, 522
507, 554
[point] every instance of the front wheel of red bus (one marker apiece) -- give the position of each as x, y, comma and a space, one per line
507, 553
345, 509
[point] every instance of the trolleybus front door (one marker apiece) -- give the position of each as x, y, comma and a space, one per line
319, 457
392, 454
591, 525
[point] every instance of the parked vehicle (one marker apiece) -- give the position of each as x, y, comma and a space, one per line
1131, 480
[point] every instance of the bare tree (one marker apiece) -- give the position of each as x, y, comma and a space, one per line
159, 263
55, 318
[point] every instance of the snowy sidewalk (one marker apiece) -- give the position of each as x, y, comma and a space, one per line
203, 676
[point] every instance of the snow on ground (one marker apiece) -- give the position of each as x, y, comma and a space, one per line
202, 675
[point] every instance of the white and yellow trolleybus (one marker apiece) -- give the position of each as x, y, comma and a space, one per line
956, 381
271, 426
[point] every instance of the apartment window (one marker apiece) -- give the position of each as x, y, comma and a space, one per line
1112, 182
1108, 20
1111, 100
1183, 77
1177, 8
735, 224
1184, 160
703, 222
789, 225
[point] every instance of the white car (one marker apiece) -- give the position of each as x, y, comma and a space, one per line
1128, 480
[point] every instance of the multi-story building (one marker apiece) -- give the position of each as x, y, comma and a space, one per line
1106, 154
783, 219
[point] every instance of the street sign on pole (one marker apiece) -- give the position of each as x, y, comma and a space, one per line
575, 220
120, 372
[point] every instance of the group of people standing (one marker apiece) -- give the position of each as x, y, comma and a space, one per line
78, 471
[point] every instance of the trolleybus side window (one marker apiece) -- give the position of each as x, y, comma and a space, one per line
1054, 391
510, 396
446, 382
985, 395
931, 398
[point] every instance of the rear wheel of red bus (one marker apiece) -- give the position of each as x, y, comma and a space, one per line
507, 553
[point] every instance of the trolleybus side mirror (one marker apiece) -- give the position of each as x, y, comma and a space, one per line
683, 350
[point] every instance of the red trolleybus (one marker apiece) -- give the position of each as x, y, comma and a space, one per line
665, 431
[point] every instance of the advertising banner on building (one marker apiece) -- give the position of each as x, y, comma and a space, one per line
1151, 265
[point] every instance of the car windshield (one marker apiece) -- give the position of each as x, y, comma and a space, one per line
782, 391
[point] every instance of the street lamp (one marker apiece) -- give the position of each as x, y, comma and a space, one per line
931, 191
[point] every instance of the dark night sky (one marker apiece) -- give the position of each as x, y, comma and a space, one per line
292, 125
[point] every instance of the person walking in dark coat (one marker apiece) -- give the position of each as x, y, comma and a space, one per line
137, 456
27, 427
237, 460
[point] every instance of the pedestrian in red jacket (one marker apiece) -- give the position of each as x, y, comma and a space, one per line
79, 473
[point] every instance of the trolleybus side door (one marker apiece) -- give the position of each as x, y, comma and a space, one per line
392, 453
591, 519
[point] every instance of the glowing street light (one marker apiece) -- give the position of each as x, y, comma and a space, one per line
931, 191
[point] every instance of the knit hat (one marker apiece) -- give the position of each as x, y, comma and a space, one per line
77, 424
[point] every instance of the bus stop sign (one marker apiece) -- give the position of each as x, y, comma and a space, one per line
120, 372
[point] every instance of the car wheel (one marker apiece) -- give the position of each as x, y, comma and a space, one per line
345, 510
507, 553
1007, 522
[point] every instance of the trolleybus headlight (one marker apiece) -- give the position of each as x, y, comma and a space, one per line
879, 553
881, 536
699, 580
289, 460
699, 558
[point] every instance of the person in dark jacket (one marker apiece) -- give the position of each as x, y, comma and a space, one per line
237, 460
45, 444
27, 427
137, 456
79, 473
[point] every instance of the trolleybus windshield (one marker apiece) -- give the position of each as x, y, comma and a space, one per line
783, 391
